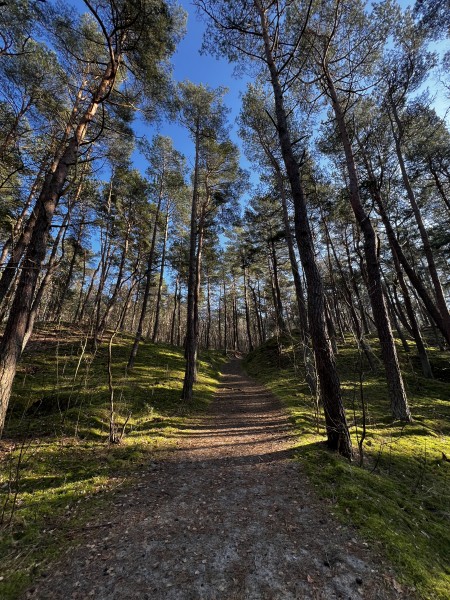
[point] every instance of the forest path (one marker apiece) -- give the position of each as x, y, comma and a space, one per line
226, 516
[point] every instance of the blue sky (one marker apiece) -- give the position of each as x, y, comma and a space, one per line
189, 64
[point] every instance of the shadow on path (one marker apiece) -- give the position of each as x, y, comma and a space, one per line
228, 515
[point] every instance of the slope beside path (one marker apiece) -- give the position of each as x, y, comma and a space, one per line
228, 515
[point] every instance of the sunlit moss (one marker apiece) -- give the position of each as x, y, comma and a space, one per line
400, 499
60, 424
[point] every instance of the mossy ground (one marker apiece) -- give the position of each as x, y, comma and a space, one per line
400, 497
57, 468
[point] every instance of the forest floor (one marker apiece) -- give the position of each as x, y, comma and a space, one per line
226, 514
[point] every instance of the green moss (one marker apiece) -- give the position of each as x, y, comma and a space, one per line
400, 498
57, 469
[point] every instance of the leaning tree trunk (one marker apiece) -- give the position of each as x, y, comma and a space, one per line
397, 393
52, 265
396, 246
336, 424
439, 293
52, 190
363, 345
438, 183
302, 312
20, 245
362, 312
421, 350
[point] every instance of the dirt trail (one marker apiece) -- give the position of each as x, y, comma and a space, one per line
227, 516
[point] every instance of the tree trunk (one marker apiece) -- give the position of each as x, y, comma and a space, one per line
336, 424
89, 292
53, 188
438, 182
395, 246
174, 312
179, 316
191, 341
258, 314
235, 316
106, 262
225, 324
51, 268
277, 303
440, 299
80, 297
302, 312
362, 312
117, 287
148, 280
66, 285
161, 279
247, 314
208, 308
421, 350
397, 394
198, 271
362, 343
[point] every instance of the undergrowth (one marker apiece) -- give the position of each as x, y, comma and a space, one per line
57, 468
400, 497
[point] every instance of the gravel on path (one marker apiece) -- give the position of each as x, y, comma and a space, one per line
228, 515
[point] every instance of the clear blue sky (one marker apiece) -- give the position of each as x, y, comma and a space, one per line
189, 64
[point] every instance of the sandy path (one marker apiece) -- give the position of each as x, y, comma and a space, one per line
227, 516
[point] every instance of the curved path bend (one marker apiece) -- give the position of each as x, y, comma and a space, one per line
228, 515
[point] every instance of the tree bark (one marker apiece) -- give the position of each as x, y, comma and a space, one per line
225, 322
118, 285
161, 279
247, 314
397, 393
208, 308
258, 314
336, 424
148, 280
174, 312
278, 305
395, 245
191, 349
439, 293
52, 190
438, 182
51, 268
